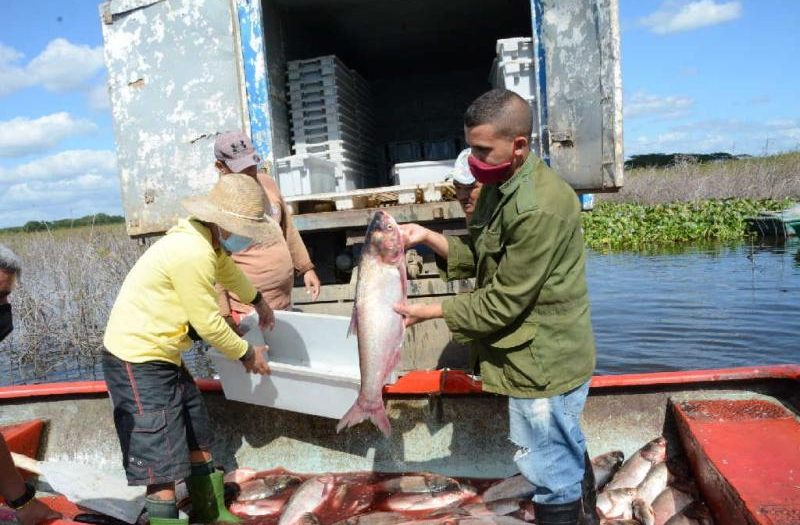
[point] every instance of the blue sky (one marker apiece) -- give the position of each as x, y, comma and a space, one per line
698, 76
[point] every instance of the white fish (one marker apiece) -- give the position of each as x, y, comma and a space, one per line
669, 503
381, 285
308, 498
655, 482
616, 503
605, 466
643, 512
422, 502
513, 487
635, 469
428, 483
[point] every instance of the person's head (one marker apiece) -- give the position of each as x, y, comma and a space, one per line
234, 211
10, 269
467, 187
234, 153
498, 128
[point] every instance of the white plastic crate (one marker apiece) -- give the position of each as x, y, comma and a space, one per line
314, 118
310, 90
515, 48
304, 175
349, 181
305, 64
316, 73
314, 366
317, 101
334, 147
422, 172
309, 84
517, 76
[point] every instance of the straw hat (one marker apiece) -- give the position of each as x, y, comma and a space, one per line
236, 203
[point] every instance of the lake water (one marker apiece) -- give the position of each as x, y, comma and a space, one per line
700, 307
689, 308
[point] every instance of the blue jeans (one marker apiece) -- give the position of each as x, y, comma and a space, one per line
550, 442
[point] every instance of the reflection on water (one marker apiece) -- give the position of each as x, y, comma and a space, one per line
683, 307
696, 307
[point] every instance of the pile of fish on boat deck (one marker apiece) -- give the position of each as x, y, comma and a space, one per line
647, 489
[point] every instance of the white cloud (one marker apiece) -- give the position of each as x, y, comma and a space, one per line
63, 165
673, 16
22, 136
68, 184
642, 104
62, 66
728, 135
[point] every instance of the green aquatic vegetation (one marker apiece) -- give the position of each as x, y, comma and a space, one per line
626, 225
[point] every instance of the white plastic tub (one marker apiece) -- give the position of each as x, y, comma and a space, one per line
314, 366
422, 172
304, 175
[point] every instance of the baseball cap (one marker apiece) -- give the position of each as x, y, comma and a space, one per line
235, 149
461, 172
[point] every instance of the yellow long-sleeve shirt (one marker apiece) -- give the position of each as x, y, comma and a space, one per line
170, 286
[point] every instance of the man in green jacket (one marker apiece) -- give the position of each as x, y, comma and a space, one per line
528, 319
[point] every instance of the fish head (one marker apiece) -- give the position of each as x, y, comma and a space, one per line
656, 450
437, 483
384, 239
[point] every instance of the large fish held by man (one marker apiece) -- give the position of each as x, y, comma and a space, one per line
381, 285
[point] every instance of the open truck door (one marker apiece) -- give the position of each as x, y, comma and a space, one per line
176, 78
579, 91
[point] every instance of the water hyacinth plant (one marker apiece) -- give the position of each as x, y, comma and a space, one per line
613, 225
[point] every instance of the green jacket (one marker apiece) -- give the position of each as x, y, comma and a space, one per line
528, 319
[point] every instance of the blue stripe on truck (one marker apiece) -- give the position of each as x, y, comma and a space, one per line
255, 74
541, 80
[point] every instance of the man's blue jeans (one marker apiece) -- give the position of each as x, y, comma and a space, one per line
550, 442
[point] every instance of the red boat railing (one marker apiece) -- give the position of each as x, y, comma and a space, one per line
430, 382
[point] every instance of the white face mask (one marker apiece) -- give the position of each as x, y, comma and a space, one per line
235, 243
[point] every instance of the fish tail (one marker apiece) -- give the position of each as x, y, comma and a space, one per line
358, 413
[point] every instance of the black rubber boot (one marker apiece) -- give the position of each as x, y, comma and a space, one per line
589, 495
558, 514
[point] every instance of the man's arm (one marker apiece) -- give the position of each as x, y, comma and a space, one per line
12, 487
414, 234
533, 242
193, 281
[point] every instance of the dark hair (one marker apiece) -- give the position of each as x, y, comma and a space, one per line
508, 112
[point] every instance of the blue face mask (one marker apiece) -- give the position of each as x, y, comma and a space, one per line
236, 243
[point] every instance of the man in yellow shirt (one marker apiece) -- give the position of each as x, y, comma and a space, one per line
167, 297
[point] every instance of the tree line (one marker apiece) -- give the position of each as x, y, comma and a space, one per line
88, 220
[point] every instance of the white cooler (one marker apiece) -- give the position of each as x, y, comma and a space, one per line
314, 366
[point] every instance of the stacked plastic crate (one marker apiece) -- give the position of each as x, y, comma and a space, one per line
332, 118
513, 67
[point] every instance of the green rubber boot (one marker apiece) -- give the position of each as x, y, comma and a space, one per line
208, 499
169, 521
